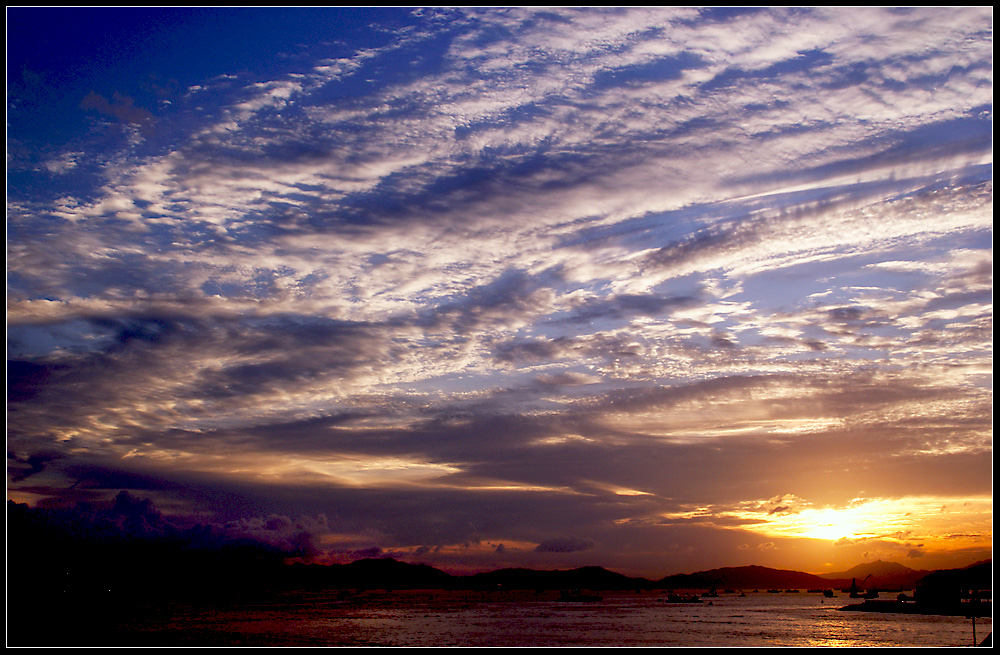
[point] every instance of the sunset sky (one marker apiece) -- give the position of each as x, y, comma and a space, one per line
654, 289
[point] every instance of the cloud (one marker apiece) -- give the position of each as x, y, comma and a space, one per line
120, 107
396, 283
20, 469
63, 163
302, 536
565, 545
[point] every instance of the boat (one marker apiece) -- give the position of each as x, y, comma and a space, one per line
677, 598
856, 592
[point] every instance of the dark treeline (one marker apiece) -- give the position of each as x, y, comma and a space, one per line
127, 548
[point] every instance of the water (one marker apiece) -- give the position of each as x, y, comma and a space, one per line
423, 619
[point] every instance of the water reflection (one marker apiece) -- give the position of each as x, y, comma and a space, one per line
425, 619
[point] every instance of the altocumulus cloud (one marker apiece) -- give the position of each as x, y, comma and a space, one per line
539, 271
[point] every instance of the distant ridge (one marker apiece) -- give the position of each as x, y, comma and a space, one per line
588, 577
747, 577
388, 573
880, 575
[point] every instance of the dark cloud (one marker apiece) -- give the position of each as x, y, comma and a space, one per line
301, 537
119, 107
565, 545
511, 297
705, 242
535, 350
19, 469
723, 341
628, 306
367, 553
26, 379
563, 379
288, 351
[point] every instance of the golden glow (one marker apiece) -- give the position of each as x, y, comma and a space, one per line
477, 484
833, 524
960, 522
618, 490
339, 470
374, 470
560, 439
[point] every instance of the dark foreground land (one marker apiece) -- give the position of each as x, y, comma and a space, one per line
967, 608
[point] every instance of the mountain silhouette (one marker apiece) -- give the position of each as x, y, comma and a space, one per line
589, 577
745, 577
880, 575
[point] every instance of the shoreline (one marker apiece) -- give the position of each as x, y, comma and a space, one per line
968, 610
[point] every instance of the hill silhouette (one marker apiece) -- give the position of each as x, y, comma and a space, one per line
955, 583
746, 577
389, 573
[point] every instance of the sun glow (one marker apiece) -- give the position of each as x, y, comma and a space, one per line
834, 524
900, 520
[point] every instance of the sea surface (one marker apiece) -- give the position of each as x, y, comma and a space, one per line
540, 619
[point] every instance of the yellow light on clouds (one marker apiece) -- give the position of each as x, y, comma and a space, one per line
965, 521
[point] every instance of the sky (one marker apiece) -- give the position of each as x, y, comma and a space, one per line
659, 289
